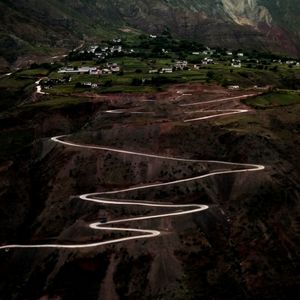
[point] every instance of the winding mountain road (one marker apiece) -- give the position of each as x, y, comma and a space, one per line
179, 210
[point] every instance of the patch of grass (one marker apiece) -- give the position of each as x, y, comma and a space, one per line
15, 83
128, 89
273, 99
57, 102
32, 73
61, 89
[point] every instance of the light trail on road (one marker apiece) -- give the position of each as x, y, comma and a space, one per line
102, 198
218, 100
5, 75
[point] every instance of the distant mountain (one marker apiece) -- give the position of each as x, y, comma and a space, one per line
32, 26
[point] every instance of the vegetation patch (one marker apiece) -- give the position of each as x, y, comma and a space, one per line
273, 99
57, 102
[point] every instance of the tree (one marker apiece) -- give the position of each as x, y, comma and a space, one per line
108, 83
136, 81
209, 76
274, 69
78, 85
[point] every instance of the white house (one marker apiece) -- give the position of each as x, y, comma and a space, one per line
234, 87
207, 61
106, 71
115, 68
95, 71
236, 63
66, 70
153, 71
290, 62
116, 49
82, 70
166, 70
117, 40
90, 84
92, 49
181, 64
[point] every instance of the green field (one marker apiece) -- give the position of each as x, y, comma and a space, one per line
257, 70
274, 99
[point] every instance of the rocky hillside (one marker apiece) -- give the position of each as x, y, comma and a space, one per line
246, 246
36, 26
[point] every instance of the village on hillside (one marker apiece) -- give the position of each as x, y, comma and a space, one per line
153, 60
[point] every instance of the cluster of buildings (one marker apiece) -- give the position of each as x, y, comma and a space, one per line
161, 71
90, 85
106, 51
74, 70
178, 66
110, 68
292, 63
207, 61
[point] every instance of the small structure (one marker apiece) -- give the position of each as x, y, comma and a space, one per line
95, 71
67, 70
166, 70
181, 64
233, 87
154, 71
117, 40
92, 49
236, 63
117, 49
207, 61
106, 71
290, 62
115, 68
89, 85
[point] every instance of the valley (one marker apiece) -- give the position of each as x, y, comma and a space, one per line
118, 182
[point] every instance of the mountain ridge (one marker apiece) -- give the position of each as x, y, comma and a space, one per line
35, 27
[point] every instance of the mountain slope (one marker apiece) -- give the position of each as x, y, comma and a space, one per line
30, 26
